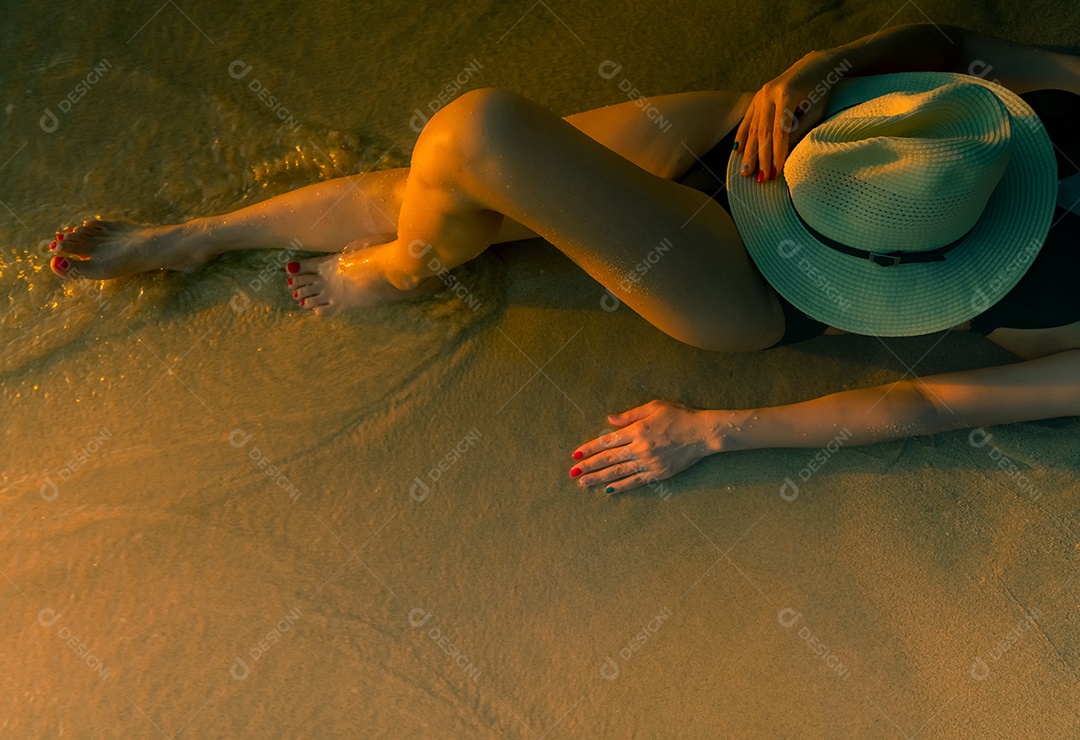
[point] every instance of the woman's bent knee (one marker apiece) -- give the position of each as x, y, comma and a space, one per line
732, 343
473, 126
752, 334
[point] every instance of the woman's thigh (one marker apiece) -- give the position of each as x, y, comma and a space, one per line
669, 252
662, 135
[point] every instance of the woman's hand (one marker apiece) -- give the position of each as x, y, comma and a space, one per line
656, 441
781, 113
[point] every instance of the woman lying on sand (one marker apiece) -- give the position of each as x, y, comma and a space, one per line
920, 198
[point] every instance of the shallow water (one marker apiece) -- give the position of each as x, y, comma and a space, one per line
220, 516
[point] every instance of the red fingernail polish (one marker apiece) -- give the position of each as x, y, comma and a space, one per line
290, 281
52, 246
575, 472
760, 176
62, 264
772, 173
578, 455
293, 267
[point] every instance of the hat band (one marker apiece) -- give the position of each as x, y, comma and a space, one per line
885, 259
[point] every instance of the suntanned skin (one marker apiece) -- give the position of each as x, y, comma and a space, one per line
493, 167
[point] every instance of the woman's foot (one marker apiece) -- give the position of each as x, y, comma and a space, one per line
99, 250
353, 279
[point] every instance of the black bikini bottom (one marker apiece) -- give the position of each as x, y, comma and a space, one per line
1045, 297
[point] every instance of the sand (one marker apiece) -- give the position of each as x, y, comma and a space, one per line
255, 523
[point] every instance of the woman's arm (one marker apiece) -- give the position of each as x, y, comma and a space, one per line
660, 439
926, 46
1037, 389
785, 108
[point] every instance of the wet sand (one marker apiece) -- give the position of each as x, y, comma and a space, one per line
218, 522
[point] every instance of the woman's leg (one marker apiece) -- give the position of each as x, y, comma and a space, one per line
326, 216
667, 251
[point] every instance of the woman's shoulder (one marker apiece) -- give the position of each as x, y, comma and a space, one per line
1033, 343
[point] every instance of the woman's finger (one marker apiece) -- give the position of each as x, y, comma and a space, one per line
613, 473
765, 127
607, 441
635, 414
602, 460
788, 121
743, 134
750, 146
627, 484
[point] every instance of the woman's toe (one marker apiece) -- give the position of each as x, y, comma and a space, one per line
82, 234
67, 241
63, 267
301, 281
74, 269
74, 244
303, 267
313, 297
103, 226
321, 304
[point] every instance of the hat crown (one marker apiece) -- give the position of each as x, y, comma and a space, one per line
907, 171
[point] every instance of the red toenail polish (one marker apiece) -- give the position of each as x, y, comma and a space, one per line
578, 455
575, 472
290, 281
293, 267
760, 176
295, 294
62, 264
301, 301
772, 174
59, 237
52, 246
71, 230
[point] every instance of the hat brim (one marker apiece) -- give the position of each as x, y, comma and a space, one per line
862, 297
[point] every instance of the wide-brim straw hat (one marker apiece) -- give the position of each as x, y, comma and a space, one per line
917, 203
